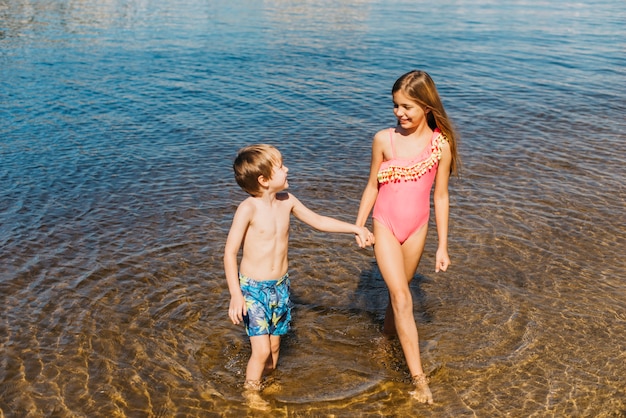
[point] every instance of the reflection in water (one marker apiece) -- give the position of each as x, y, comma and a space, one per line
120, 122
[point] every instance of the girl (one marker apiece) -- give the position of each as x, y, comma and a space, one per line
406, 160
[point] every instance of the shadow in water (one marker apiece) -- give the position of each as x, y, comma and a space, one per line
372, 296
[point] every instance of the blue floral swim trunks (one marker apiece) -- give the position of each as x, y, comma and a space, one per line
268, 305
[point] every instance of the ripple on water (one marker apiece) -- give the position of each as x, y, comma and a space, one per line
120, 122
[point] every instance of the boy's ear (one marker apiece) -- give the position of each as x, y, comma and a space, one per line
263, 181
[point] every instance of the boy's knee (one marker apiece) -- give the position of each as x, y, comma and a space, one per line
275, 349
261, 353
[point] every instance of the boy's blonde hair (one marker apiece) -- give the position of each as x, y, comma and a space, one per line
254, 161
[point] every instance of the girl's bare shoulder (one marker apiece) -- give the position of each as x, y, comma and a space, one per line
382, 135
381, 145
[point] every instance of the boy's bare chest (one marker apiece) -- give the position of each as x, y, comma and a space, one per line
272, 222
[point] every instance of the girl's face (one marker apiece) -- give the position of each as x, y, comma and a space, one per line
409, 113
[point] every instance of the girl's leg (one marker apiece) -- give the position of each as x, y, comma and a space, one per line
390, 257
412, 250
390, 260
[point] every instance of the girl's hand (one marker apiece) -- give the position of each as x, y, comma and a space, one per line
442, 260
237, 309
370, 238
364, 237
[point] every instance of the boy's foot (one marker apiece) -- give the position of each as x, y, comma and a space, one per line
422, 391
254, 400
252, 395
272, 386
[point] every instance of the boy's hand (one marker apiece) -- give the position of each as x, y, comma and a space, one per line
364, 237
237, 309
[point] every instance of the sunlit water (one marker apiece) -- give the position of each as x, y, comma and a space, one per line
119, 121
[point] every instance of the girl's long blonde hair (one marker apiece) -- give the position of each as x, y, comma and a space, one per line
420, 87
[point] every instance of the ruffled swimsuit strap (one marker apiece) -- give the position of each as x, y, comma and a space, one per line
395, 173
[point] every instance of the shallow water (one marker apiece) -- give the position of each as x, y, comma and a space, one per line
119, 124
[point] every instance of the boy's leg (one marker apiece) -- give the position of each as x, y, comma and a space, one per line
254, 372
261, 354
272, 361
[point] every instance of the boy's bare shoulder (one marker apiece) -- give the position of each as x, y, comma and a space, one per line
247, 205
287, 198
251, 204
247, 201
288, 201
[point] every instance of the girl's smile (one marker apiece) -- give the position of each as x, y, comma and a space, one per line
409, 113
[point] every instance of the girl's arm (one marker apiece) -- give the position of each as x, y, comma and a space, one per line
442, 207
241, 220
370, 193
328, 224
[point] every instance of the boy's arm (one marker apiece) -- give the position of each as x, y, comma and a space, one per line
328, 224
241, 220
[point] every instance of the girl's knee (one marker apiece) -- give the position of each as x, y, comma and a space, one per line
401, 301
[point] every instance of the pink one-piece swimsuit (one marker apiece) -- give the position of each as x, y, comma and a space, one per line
404, 185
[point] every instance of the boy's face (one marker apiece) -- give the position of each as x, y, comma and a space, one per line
279, 181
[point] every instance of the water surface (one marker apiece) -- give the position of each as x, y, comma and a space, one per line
119, 123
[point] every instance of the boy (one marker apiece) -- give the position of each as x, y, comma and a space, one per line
259, 288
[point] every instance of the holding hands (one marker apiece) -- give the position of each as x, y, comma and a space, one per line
364, 237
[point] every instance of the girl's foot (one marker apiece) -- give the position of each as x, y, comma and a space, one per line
422, 391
